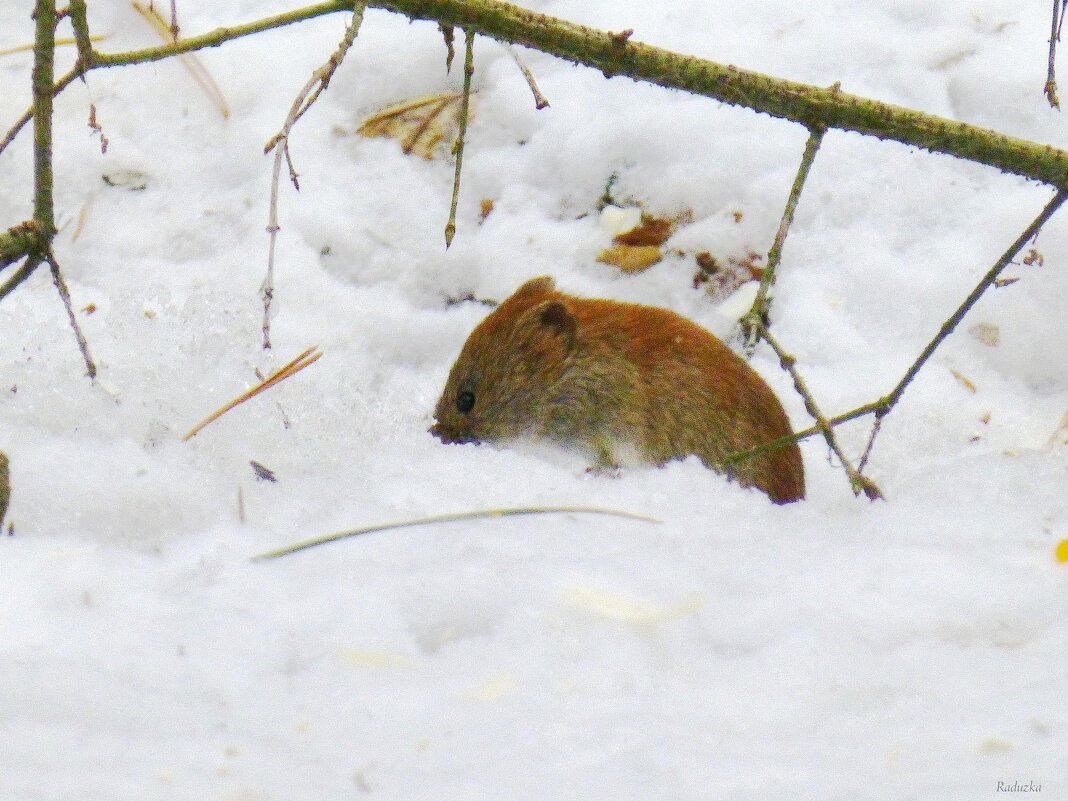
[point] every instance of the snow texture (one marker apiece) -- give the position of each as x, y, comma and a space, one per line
835, 648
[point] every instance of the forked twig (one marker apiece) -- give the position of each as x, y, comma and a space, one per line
315, 86
984, 284
881, 407
20, 123
858, 482
458, 145
449, 518
169, 33
757, 315
310, 356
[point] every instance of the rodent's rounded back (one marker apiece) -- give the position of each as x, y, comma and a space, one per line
605, 375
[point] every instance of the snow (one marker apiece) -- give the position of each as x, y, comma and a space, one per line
836, 648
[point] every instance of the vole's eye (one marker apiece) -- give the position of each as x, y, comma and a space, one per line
465, 402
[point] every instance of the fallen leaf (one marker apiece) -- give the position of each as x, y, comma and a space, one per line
650, 231
420, 125
630, 258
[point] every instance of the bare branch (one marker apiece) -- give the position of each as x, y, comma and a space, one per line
758, 316
987, 280
64, 294
858, 482
318, 82
458, 145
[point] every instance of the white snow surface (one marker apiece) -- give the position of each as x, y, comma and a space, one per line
832, 649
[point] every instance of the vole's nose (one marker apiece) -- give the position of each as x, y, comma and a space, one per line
448, 436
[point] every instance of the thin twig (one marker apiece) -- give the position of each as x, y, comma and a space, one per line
1050, 88
881, 407
984, 284
448, 518
20, 123
858, 482
308, 357
540, 100
174, 21
21, 274
782, 442
318, 82
458, 145
64, 294
80, 23
5, 486
871, 442
758, 314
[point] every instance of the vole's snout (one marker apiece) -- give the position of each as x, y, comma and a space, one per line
448, 436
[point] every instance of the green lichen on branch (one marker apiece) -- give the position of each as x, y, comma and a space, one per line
811, 106
18, 241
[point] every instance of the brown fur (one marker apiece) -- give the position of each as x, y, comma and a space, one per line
600, 374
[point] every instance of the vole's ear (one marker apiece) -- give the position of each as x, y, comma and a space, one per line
555, 317
541, 285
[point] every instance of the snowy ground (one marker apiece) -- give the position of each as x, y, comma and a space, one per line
830, 649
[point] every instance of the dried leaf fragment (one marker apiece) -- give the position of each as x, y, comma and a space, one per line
630, 258
721, 279
964, 381
263, 473
133, 180
650, 231
1033, 258
420, 125
986, 333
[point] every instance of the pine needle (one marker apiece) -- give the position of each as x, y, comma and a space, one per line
449, 518
28, 48
190, 62
310, 356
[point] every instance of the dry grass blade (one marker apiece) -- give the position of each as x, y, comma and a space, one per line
28, 48
310, 356
199, 72
450, 518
